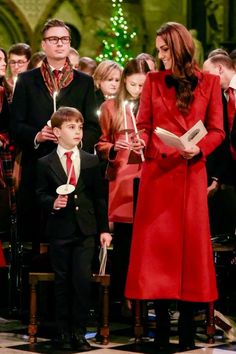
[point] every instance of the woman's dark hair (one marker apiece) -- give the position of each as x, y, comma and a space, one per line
35, 59
3, 81
181, 45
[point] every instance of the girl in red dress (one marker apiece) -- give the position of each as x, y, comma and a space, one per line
114, 145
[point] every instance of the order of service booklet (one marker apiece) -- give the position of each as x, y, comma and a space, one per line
186, 141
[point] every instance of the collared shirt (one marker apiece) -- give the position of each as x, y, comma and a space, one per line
75, 159
232, 84
52, 68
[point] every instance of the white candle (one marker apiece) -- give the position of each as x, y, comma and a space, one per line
55, 101
125, 122
131, 106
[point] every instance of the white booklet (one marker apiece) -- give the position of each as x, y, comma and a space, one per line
186, 141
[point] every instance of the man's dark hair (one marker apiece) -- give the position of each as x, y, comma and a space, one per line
54, 23
20, 49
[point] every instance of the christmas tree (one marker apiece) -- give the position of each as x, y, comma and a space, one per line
117, 39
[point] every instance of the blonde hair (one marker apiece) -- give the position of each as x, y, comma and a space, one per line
103, 71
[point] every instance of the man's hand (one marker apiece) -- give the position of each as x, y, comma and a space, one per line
105, 239
45, 134
212, 189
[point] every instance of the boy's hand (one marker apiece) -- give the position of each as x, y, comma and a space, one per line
105, 239
60, 202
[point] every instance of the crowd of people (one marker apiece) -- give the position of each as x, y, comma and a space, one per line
67, 120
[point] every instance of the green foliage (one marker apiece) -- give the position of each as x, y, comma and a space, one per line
116, 43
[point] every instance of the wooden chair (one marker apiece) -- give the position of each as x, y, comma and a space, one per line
139, 326
36, 277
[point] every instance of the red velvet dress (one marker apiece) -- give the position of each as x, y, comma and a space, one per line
171, 254
121, 185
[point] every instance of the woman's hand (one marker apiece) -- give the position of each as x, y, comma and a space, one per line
138, 145
191, 152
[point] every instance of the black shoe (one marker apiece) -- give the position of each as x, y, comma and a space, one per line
162, 345
80, 343
63, 341
185, 348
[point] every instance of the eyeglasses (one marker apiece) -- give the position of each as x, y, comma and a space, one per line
55, 40
18, 62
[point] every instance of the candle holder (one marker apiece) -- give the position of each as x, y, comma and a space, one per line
65, 189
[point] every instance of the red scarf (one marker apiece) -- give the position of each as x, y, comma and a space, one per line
65, 76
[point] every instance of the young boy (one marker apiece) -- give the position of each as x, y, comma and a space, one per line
73, 222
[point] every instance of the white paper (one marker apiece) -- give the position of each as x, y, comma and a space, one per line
186, 141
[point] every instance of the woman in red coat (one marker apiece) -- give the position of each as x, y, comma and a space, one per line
171, 254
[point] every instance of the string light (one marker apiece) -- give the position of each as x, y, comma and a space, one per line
117, 39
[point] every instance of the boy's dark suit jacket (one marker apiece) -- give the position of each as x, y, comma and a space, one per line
86, 206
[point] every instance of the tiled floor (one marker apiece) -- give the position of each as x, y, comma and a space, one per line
120, 343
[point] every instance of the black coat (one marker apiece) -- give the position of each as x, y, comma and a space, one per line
220, 162
32, 107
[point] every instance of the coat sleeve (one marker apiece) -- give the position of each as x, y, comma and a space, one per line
99, 199
44, 198
145, 117
91, 125
214, 118
22, 131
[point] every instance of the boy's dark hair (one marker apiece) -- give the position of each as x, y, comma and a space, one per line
54, 22
20, 49
66, 114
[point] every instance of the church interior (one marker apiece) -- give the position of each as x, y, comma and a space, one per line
26, 284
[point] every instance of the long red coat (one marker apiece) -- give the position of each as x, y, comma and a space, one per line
120, 200
171, 254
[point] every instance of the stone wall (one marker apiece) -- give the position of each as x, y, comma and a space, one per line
21, 20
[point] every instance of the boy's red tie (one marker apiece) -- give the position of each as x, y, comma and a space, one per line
69, 163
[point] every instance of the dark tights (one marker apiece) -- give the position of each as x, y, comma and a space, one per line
186, 328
